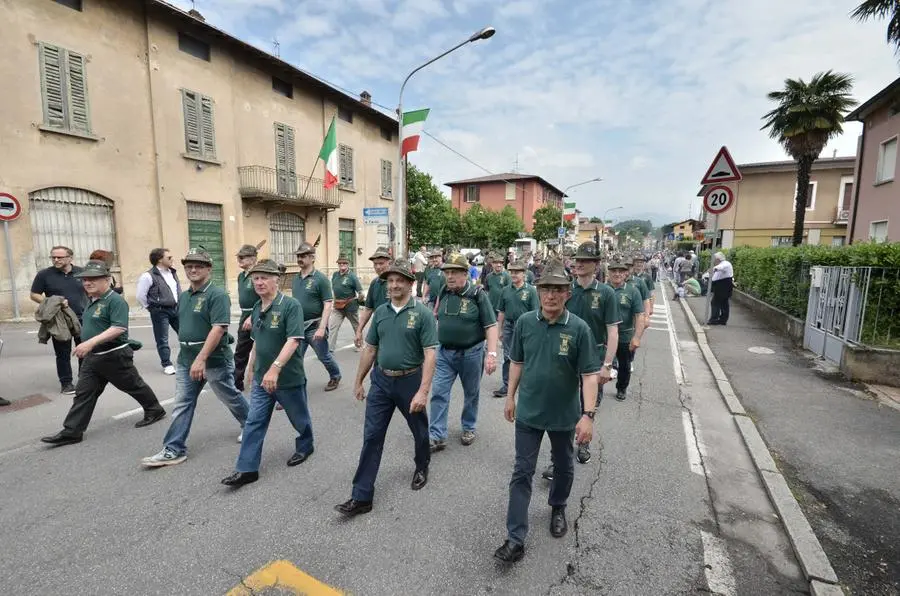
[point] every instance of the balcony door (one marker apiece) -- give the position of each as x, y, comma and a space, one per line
285, 160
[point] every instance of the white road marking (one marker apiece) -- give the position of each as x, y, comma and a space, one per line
657, 328
673, 344
165, 402
718, 571
694, 459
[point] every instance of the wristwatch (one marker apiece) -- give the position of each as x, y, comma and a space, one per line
277, 364
589, 414
607, 365
494, 354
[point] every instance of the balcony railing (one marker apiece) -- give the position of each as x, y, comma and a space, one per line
841, 216
269, 184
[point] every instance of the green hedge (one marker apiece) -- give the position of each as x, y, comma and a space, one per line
780, 276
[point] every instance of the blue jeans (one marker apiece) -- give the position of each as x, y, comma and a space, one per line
509, 328
293, 400
385, 394
187, 390
163, 317
467, 364
320, 347
528, 446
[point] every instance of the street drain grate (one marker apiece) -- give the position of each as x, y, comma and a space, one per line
23, 403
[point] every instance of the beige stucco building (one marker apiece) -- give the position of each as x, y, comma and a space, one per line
763, 213
130, 124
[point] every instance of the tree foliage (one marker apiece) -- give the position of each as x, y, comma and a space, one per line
635, 227
546, 223
430, 218
806, 117
882, 9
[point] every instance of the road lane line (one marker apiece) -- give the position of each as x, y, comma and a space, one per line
673, 344
693, 451
166, 402
718, 571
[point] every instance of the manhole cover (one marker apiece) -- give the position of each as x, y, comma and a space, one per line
760, 350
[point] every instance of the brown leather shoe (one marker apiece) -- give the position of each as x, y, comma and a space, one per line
333, 384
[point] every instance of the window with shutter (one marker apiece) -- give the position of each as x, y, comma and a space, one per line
346, 166
285, 159
387, 186
64, 90
199, 125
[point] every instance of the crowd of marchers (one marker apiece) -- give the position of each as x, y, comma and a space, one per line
567, 328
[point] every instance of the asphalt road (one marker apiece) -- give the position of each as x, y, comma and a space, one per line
644, 515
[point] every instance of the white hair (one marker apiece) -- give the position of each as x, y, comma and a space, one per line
720, 256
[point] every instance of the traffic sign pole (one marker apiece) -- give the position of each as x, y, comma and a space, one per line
710, 270
12, 271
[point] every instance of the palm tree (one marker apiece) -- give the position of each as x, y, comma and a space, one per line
808, 115
881, 9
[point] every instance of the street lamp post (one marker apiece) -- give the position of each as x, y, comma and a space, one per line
603, 222
400, 200
562, 218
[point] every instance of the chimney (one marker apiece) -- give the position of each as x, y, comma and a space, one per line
366, 98
196, 14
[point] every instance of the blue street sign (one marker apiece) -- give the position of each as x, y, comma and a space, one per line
561, 232
376, 215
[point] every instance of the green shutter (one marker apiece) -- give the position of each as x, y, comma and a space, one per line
208, 130
52, 85
386, 179
345, 157
191, 122
285, 159
79, 113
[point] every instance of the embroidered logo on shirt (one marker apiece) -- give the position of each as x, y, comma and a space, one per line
411, 320
595, 301
524, 296
464, 306
198, 307
309, 284
98, 311
276, 318
625, 299
564, 340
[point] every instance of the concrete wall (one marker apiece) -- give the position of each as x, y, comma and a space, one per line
787, 325
135, 73
877, 201
871, 365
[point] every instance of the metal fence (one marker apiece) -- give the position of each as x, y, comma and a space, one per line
272, 184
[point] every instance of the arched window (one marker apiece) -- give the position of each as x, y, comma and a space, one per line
287, 231
80, 219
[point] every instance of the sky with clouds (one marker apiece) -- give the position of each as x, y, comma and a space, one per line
639, 92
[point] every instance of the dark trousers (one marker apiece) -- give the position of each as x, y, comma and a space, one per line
163, 317
719, 308
63, 351
624, 356
241, 356
509, 328
528, 446
96, 371
385, 394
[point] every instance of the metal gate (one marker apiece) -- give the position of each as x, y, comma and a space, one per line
205, 229
836, 309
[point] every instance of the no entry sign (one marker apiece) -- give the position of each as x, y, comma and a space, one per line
10, 208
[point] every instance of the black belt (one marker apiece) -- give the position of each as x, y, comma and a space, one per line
461, 349
400, 373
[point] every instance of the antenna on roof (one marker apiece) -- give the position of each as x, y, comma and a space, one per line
276, 47
834, 154
516, 165
193, 5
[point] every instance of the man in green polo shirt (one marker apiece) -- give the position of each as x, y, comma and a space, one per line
515, 300
246, 258
313, 291
631, 311
496, 280
551, 350
204, 313
402, 340
276, 376
465, 320
107, 357
434, 278
640, 271
377, 293
347, 296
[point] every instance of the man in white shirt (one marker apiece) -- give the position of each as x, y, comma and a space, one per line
721, 286
420, 262
157, 291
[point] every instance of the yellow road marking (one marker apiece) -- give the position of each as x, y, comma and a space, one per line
283, 575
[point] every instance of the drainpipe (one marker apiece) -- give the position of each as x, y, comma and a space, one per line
857, 182
150, 84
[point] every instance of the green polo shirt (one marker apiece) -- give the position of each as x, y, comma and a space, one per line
346, 286
494, 284
529, 276
630, 304
401, 337
377, 294
312, 292
283, 319
596, 306
110, 310
648, 281
198, 312
515, 302
247, 296
554, 356
434, 277
463, 316
638, 282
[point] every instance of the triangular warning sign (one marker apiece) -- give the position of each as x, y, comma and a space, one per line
722, 169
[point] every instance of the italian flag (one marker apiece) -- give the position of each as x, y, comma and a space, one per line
569, 211
329, 155
413, 123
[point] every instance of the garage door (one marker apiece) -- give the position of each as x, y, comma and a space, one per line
205, 229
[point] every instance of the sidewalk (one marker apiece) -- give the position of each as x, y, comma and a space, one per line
837, 446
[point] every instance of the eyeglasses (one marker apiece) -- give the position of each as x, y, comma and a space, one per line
52, 258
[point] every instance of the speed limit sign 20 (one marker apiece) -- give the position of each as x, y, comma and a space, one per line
718, 199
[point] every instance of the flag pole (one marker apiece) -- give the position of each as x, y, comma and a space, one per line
309, 178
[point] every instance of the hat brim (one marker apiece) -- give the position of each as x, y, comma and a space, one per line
552, 282
264, 272
88, 275
513, 269
376, 257
199, 261
451, 266
409, 276
587, 258
617, 267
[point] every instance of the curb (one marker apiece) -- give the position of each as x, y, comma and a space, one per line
815, 564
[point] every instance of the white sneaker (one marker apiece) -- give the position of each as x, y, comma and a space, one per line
166, 457
241, 437
169, 370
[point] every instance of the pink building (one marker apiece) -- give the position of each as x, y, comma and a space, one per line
875, 205
524, 192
